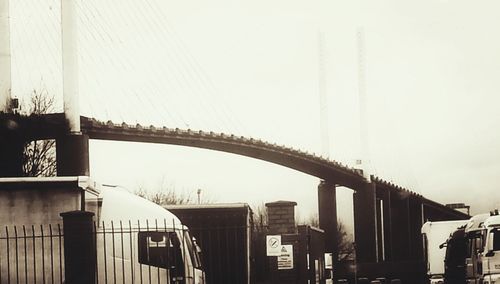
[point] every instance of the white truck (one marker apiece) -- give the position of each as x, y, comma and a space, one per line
136, 240
490, 255
435, 235
474, 236
467, 252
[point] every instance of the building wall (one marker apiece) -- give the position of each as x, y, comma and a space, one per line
36, 206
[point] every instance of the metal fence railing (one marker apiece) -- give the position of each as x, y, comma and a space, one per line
130, 252
31, 254
147, 252
125, 252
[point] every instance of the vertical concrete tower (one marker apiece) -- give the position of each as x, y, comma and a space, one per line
5, 56
72, 150
71, 99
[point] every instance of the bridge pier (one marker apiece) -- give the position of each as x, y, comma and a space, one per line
415, 222
72, 153
386, 227
401, 228
11, 156
327, 208
365, 224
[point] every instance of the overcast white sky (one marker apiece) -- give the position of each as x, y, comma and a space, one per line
250, 67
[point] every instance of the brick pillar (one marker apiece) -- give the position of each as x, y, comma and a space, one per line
281, 217
72, 153
80, 255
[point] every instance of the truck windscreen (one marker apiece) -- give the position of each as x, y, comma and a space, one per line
160, 249
496, 240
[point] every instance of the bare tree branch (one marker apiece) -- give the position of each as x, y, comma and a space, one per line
166, 194
40, 156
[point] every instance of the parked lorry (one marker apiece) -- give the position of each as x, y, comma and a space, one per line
490, 255
136, 240
465, 252
456, 253
435, 235
474, 236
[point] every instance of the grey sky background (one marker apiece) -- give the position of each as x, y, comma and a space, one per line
251, 68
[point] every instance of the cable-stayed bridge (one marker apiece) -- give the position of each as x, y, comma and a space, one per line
387, 217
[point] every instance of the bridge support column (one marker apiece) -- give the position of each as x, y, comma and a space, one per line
72, 152
385, 227
327, 208
365, 223
11, 156
401, 228
415, 222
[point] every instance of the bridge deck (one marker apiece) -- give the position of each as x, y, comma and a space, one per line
51, 126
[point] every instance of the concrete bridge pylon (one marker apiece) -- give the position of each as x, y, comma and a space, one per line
327, 213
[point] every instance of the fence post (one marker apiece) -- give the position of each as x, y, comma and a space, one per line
79, 247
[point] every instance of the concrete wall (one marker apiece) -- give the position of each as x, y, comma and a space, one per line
31, 246
35, 206
39, 201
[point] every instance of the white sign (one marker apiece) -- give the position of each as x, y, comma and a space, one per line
285, 260
273, 245
328, 260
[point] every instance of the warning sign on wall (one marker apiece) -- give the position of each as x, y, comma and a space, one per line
273, 245
285, 260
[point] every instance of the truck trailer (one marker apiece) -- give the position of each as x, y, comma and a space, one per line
224, 233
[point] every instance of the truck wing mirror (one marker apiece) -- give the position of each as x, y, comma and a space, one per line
490, 253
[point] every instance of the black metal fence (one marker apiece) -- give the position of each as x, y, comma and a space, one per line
31, 254
125, 253
130, 252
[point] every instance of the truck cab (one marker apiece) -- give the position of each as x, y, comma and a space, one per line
435, 235
138, 240
490, 256
474, 234
470, 252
